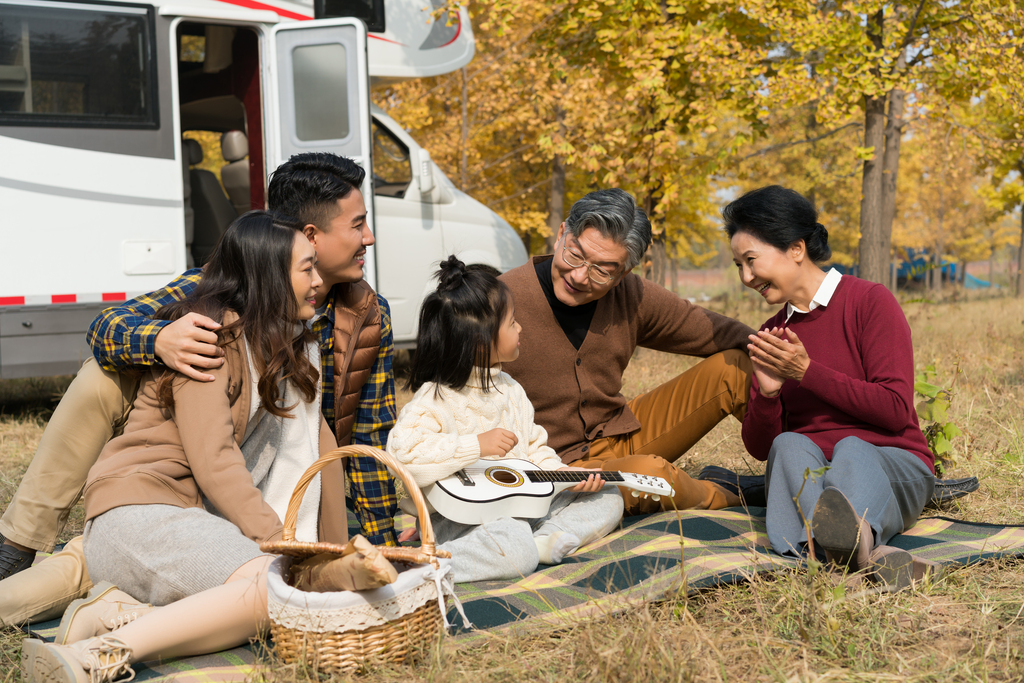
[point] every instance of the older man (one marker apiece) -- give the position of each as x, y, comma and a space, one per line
583, 314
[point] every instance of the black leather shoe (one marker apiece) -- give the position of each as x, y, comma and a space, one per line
948, 490
13, 560
749, 487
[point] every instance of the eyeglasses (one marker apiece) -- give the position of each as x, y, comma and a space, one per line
597, 274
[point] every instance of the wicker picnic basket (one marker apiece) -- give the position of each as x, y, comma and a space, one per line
343, 631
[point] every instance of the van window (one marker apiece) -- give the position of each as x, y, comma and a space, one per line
392, 169
321, 92
68, 66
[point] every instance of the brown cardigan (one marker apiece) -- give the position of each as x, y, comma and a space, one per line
155, 462
577, 394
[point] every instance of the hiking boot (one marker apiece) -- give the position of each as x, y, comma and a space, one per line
96, 660
844, 536
104, 610
13, 560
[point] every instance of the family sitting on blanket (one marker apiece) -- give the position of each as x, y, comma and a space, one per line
585, 314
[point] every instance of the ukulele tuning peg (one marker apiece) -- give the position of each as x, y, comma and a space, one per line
655, 498
636, 494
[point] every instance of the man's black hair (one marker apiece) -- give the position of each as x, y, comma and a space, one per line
309, 185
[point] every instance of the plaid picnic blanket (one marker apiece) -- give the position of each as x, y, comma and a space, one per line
649, 558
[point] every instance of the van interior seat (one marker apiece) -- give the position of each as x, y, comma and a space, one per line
186, 181
234, 147
213, 211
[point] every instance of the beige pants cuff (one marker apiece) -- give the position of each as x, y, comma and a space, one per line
44, 591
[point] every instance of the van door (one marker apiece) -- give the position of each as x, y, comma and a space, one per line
320, 99
410, 226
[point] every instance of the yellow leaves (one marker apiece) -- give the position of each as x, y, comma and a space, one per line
864, 153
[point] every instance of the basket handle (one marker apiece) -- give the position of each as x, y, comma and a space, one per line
291, 518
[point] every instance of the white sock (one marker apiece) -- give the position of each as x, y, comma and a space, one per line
552, 548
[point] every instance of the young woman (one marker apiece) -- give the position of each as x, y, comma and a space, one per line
466, 408
833, 388
176, 507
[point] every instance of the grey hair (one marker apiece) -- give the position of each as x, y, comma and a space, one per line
614, 214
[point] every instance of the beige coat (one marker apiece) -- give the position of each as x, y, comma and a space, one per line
174, 459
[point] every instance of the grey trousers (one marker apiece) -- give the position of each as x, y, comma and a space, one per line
504, 548
888, 487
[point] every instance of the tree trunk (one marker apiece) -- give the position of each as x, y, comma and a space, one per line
1019, 288
464, 141
874, 253
673, 275
890, 169
658, 262
556, 189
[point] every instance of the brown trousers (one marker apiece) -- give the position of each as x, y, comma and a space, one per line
673, 418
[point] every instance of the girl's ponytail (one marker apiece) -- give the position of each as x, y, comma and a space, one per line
459, 323
451, 275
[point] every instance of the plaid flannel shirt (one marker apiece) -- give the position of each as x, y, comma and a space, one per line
125, 335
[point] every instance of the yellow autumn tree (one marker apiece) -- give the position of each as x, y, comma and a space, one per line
864, 59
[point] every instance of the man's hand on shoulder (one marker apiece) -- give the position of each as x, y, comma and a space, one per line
189, 345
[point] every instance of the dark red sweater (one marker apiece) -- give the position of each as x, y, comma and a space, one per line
860, 381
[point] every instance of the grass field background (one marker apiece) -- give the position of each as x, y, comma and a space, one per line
796, 626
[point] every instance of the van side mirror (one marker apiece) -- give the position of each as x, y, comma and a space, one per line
425, 168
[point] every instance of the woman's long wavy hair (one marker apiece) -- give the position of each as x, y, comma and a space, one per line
249, 273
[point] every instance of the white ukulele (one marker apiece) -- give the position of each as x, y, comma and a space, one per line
489, 489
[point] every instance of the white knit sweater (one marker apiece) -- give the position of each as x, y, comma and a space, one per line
435, 436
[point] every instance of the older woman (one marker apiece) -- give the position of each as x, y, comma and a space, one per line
831, 407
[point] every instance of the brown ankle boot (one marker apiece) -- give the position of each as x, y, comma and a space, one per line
361, 567
844, 536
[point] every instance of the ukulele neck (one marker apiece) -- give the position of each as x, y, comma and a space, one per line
541, 476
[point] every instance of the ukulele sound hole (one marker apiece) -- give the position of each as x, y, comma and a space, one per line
504, 477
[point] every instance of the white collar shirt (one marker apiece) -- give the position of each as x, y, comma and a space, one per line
821, 298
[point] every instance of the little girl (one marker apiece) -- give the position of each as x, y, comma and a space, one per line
466, 408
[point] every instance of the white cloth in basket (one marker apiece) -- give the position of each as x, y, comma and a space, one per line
358, 610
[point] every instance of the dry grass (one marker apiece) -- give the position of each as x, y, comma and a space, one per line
795, 626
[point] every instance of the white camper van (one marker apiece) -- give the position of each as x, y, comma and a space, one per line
100, 196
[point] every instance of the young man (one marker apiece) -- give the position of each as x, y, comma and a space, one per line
353, 324
587, 313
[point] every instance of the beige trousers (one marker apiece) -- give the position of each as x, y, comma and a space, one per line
673, 418
94, 409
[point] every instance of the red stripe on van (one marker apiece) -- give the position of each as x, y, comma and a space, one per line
458, 31
64, 298
252, 4
12, 301
115, 296
388, 40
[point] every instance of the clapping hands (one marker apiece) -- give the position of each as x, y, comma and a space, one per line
777, 355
